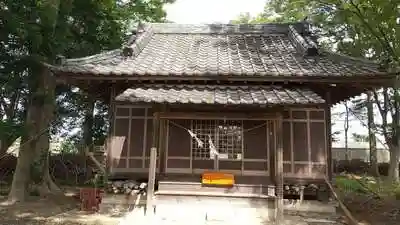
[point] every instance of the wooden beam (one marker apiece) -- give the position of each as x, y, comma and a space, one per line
383, 78
346, 211
217, 115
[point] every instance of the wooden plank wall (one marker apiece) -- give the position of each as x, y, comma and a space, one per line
304, 144
134, 123
256, 145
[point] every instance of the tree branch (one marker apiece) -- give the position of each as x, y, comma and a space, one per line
383, 112
385, 43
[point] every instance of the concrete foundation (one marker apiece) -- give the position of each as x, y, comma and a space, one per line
214, 208
176, 209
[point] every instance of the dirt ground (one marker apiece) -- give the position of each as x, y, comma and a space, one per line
368, 202
368, 211
372, 211
50, 212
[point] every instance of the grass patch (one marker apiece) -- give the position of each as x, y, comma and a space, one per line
366, 185
345, 184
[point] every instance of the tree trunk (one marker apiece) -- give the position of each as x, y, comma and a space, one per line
37, 125
48, 187
88, 124
395, 146
19, 187
346, 133
373, 156
393, 172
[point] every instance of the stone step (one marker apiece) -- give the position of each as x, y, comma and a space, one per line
311, 206
198, 187
212, 194
213, 207
226, 213
212, 199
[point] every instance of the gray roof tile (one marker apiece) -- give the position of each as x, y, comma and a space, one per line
188, 50
231, 95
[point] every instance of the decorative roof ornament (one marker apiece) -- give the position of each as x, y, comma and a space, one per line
127, 49
308, 31
303, 43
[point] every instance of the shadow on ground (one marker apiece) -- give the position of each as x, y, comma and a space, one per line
48, 212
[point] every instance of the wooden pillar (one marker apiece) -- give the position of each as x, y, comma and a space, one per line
111, 129
328, 130
162, 142
162, 146
325, 193
111, 110
279, 169
156, 126
152, 165
152, 179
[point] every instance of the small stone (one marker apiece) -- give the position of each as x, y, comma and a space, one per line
118, 184
143, 185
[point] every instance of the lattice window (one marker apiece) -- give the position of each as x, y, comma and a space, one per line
226, 136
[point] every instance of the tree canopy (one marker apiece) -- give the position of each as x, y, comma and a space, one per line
365, 29
36, 32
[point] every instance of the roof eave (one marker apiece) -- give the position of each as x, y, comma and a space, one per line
379, 79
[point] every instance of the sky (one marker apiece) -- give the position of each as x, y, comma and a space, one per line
222, 11
211, 11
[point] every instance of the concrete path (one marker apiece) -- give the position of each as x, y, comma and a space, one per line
291, 218
185, 212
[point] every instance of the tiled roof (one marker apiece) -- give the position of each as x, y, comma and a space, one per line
242, 50
231, 95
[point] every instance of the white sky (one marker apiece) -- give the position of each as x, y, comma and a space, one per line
222, 11
211, 11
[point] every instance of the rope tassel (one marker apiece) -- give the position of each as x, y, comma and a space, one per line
213, 150
193, 135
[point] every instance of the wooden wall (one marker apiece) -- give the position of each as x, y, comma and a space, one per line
304, 141
134, 123
255, 150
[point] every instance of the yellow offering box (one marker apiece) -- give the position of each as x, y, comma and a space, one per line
217, 178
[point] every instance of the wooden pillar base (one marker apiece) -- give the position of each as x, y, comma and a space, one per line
323, 193
152, 179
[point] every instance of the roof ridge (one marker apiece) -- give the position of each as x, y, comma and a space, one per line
262, 28
222, 86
